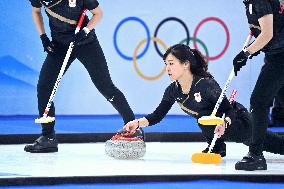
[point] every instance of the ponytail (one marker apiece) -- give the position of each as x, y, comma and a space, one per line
198, 66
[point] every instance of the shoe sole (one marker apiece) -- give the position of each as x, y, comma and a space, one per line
45, 150
251, 168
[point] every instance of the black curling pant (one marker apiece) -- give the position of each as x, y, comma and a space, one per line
92, 57
278, 110
270, 83
240, 131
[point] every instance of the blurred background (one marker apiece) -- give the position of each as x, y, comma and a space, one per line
217, 28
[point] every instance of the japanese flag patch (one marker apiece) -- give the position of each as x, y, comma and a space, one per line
72, 3
197, 97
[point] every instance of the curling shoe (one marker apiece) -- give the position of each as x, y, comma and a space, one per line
217, 149
43, 145
251, 162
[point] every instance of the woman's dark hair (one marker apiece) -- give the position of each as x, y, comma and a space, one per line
198, 66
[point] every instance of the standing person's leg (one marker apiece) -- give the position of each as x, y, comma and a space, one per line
274, 143
92, 57
269, 82
241, 132
277, 116
48, 75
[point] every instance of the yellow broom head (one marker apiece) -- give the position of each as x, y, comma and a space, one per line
206, 158
44, 120
210, 120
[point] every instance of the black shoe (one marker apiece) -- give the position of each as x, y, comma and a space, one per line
217, 149
43, 145
251, 162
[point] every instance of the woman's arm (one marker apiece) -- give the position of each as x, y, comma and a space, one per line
133, 125
150, 119
142, 122
266, 34
97, 16
38, 20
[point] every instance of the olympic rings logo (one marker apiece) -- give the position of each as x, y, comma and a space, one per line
157, 41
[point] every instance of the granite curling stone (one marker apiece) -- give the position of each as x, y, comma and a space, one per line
122, 146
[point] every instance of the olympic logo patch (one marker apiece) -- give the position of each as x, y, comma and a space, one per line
146, 42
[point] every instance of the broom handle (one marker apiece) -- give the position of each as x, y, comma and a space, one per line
213, 142
231, 100
224, 90
66, 59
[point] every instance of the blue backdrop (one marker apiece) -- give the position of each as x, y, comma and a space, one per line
219, 29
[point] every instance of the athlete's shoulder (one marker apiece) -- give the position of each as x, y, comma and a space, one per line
205, 81
262, 3
35, 3
171, 92
91, 4
172, 87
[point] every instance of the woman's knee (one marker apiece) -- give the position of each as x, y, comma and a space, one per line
110, 92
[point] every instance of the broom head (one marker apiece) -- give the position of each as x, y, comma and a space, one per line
45, 120
210, 120
206, 158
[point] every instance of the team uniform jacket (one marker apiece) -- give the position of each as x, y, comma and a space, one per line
255, 9
63, 18
200, 100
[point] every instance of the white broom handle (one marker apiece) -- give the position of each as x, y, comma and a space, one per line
64, 64
232, 98
224, 90
213, 141
60, 75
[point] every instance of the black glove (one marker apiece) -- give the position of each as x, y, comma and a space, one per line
47, 44
82, 37
239, 61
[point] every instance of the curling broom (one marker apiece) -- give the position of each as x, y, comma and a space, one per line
212, 158
45, 118
213, 119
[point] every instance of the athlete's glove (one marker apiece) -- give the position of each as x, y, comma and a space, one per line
240, 60
82, 37
47, 44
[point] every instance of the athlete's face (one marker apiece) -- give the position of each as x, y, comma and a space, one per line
174, 67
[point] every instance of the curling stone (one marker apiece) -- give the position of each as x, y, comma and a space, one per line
125, 147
